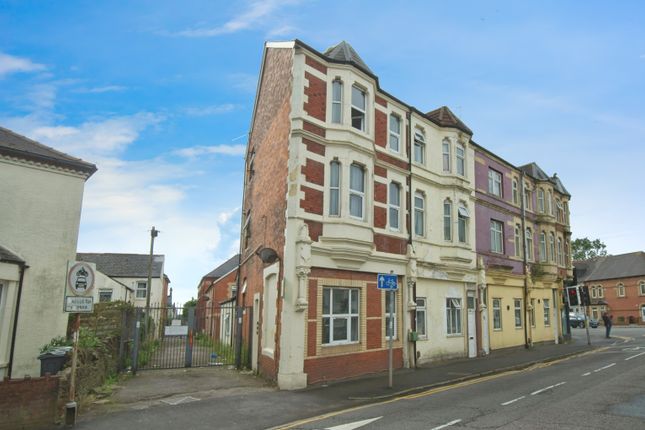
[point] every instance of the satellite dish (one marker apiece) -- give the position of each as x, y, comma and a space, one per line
267, 255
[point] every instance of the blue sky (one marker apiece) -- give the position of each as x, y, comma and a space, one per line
159, 95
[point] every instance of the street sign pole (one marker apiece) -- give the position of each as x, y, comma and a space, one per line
389, 353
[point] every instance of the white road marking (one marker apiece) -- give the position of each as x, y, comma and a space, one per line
634, 356
586, 374
512, 401
354, 425
605, 367
180, 400
541, 390
451, 423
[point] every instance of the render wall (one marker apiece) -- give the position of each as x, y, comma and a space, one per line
41, 209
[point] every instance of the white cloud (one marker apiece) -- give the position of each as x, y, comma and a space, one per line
100, 90
10, 64
256, 12
282, 31
205, 150
209, 110
244, 81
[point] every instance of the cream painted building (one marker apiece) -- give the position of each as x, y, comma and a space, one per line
42, 193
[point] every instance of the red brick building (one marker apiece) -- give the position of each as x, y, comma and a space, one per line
215, 289
616, 285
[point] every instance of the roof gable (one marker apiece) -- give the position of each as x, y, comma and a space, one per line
225, 267
16, 145
445, 118
611, 267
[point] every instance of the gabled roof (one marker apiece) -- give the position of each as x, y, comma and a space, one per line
534, 171
9, 257
124, 265
15, 145
224, 268
345, 53
444, 117
611, 267
558, 185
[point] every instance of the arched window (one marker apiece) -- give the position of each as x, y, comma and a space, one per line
551, 247
446, 155
419, 213
419, 147
518, 241
542, 246
529, 244
460, 153
516, 195
447, 220
620, 290
462, 223
540, 200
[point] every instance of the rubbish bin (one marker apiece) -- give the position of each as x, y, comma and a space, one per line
52, 361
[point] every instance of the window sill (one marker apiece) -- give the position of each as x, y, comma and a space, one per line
454, 335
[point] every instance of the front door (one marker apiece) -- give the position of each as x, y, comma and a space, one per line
472, 340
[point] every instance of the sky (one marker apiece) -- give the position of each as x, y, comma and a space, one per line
159, 95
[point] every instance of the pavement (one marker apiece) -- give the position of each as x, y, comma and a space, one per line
169, 387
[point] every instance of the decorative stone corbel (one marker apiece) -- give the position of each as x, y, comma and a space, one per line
303, 266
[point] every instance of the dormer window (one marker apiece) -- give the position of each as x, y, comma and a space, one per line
359, 104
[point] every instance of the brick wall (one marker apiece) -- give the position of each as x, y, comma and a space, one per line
622, 308
265, 193
339, 367
316, 92
29, 403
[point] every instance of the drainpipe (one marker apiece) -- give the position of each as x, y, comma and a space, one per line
23, 267
413, 320
527, 343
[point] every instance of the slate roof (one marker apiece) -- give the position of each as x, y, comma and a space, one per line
344, 52
9, 257
15, 145
124, 265
224, 268
533, 170
611, 267
445, 118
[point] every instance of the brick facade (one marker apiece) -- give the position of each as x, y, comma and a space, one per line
29, 403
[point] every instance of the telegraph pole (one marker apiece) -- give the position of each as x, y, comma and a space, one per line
153, 233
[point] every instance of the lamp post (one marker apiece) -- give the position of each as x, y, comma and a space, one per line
153, 233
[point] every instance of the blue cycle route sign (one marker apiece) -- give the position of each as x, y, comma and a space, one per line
387, 282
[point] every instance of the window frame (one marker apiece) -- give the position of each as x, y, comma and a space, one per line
361, 111
641, 288
528, 237
532, 313
496, 236
394, 209
421, 308
446, 155
542, 248
519, 248
419, 212
337, 105
495, 183
139, 290
337, 187
453, 316
462, 223
515, 192
540, 200
460, 159
357, 193
348, 316
552, 247
447, 220
546, 306
620, 290
386, 317
419, 147
497, 313
394, 135
560, 252
517, 311
102, 293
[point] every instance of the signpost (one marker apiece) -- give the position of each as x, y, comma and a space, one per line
80, 282
389, 284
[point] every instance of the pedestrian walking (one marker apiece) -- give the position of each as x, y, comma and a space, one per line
606, 319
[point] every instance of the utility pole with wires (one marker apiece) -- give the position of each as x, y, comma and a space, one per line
153, 233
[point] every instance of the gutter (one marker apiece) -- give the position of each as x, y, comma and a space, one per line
527, 341
14, 333
413, 320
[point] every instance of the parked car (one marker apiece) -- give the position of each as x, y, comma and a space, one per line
593, 323
576, 320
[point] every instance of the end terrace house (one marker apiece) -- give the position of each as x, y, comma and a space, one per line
42, 193
344, 181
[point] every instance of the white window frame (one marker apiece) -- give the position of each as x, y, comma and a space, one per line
394, 207
421, 314
528, 238
528, 197
103, 292
453, 316
447, 220
519, 248
517, 311
497, 314
337, 104
494, 182
543, 255
350, 316
540, 200
515, 192
395, 136
460, 159
357, 111
601, 292
335, 189
140, 293
552, 247
419, 214
549, 203
496, 236
546, 305
620, 290
357, 193
446, 155
419, 147
462, 223
641, 287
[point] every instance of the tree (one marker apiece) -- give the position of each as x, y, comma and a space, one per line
192, 303
585, 249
